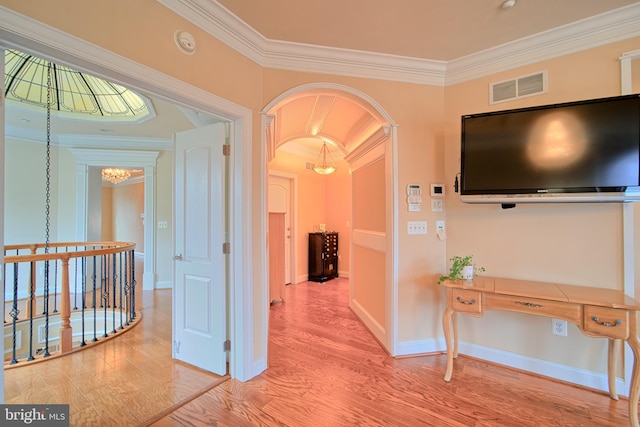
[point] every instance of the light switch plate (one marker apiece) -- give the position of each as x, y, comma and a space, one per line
417, 227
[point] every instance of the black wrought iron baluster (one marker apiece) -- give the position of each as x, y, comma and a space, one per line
133, 287
122, 256
105, 295
55, 286
46, 308
83, 300
32, 291
114, 280
75, 283
95, 303
14, 314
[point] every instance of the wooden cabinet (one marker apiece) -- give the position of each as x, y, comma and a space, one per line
276, 256
323, 256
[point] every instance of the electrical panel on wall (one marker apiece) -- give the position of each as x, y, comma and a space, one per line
414, 197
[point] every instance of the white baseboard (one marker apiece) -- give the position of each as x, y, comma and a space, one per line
582, 377
164, 285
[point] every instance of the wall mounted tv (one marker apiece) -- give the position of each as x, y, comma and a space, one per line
584, 151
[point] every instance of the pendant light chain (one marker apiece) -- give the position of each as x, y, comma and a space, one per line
47, 217
48, 166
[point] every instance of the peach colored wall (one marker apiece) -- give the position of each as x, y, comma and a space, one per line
369, 198
107, 214
338, 210
369, 215
320, 200
418, 111
371, 272
143, 32
566, 243
571, 244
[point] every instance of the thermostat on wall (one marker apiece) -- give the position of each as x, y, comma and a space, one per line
437, 190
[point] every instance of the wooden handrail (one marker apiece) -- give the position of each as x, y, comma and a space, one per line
112, 248
80, 250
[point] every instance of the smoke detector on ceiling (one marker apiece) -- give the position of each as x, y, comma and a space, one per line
185, 42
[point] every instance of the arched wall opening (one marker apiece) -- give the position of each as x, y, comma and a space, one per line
364, 138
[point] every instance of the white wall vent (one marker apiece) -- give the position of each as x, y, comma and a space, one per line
520, 87
309, 166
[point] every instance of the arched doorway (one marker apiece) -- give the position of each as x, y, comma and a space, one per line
364, 136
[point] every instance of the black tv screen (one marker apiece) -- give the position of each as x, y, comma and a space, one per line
579, 147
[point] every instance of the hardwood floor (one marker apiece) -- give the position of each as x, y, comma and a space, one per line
325, 369
126, 381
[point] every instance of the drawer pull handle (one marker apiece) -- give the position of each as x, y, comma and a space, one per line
608, 324
460, 300
528, 304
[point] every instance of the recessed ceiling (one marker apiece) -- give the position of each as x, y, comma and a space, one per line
427, 29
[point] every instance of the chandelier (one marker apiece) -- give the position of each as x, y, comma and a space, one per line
322, 166
115, 176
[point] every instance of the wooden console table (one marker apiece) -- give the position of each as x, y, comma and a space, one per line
597, 312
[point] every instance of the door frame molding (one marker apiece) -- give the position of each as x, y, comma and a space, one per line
293, 202
22, 32
87, 157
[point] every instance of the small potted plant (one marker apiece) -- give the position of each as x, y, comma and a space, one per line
462, 268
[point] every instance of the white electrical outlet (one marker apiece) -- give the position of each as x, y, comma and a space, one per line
559, 327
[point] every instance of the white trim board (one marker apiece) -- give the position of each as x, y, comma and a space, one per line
616, 25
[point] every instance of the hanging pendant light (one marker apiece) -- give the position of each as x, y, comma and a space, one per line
322, 166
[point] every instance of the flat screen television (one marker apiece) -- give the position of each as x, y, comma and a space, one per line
584, 151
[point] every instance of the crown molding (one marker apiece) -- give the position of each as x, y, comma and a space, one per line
39, 136
610, 27
114, 142
215, 19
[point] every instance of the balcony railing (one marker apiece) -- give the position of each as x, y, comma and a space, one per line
61, 297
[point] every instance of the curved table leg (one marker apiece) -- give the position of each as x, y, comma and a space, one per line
613, 359
446, 326
634, 391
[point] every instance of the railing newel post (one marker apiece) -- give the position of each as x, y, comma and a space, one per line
66, 332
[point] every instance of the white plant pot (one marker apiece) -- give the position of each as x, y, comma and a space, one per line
467, 272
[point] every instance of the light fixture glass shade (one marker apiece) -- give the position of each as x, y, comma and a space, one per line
322, 166
115, 176
25, 81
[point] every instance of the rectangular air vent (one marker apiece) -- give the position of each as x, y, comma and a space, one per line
520, 87
309, 166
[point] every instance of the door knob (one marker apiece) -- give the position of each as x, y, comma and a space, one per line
177, 257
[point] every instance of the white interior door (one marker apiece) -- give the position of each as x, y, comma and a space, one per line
280, 201
199, 321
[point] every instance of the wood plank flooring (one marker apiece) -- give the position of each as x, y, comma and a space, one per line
325, 369
126, 381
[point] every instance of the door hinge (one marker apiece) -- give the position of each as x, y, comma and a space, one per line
226, 150
226, 346
226, 248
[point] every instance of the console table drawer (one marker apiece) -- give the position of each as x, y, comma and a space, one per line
466, 301
541, 307
606, 321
